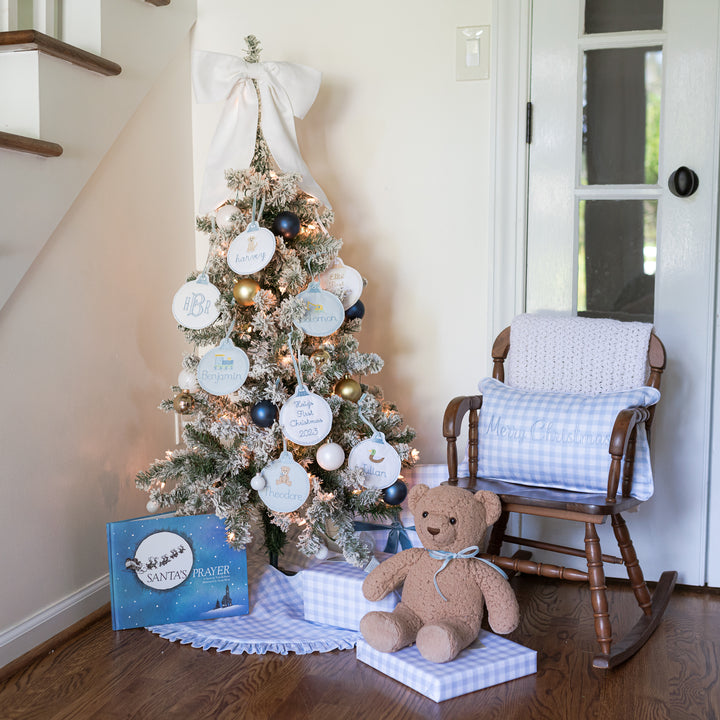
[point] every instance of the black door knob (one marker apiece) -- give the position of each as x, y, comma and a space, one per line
683, 182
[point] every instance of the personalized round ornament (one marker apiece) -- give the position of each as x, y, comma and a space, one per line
379, 461
324, 313
194, 305
344, 281
287, 485
223, 369
251, 250
306, 418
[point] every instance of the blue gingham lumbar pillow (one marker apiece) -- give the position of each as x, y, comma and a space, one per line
558, 440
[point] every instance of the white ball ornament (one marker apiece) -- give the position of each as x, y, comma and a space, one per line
223, 217
330, 456
258, 482
187, 381
152, 506
322, 553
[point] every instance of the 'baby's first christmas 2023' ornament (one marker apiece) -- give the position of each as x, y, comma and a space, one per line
306, 418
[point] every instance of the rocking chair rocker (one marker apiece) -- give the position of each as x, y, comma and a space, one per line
627, 432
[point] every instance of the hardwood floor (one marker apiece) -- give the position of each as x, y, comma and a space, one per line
104, 675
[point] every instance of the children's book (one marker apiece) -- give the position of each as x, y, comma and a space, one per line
167, 569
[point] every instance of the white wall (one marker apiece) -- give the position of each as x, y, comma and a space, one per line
88, 348
402, 151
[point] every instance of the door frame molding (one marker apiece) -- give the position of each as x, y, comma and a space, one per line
510, 92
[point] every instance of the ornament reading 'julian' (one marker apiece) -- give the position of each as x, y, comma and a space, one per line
286, 224
184, 403
263, 413
348, 389
244, 291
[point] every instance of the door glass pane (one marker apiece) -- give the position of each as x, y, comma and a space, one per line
621, 116
619, 15
616, 259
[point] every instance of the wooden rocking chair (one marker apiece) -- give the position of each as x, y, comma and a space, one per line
590, 509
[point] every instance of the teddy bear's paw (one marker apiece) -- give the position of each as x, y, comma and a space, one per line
438, 643
384, 631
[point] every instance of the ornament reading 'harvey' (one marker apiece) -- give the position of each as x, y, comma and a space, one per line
253, 248
194, 305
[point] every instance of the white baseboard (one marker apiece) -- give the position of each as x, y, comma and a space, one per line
19, 639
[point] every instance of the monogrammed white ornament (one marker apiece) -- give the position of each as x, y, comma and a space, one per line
195, 303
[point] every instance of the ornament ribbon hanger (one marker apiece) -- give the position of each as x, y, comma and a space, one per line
301, 387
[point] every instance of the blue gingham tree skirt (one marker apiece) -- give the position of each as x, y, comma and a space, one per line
275, 624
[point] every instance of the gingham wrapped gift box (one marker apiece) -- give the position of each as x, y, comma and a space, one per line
332, 595
490, 660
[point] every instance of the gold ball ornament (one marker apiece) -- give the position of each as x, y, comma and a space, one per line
244, 291
184, 403
320, 356
348, 389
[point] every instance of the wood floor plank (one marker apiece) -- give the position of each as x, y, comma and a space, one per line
98, 673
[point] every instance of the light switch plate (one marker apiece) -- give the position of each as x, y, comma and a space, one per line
472, 52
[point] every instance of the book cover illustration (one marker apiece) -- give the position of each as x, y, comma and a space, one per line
167, 569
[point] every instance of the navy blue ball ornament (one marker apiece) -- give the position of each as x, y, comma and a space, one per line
396, 493
287, 225
263, 413
356, 311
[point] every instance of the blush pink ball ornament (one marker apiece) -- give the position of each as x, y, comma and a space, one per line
330, 456
223, 217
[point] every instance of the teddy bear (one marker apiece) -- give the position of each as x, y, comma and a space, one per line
445, 583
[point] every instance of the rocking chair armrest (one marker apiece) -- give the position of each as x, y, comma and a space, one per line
452, 422
622, 446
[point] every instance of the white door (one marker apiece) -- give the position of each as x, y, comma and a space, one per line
616, 110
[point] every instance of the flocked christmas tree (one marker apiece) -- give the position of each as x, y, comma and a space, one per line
278, 429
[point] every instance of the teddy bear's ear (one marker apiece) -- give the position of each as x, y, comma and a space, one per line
416, 492
491, 501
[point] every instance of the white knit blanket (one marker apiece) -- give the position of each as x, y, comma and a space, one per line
576, 354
